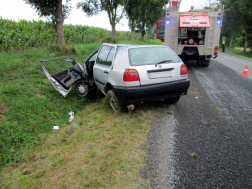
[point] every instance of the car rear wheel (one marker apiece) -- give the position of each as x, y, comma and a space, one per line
172, 100
114, 103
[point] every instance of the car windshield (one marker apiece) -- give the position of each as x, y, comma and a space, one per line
152, 55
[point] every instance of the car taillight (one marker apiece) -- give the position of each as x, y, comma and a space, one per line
183, 69
130, 75
216, 51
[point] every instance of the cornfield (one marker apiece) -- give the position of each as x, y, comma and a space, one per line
22, 34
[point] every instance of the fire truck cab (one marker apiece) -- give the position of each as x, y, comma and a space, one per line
193, 34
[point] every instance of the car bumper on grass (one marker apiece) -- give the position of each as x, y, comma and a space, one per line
133, 95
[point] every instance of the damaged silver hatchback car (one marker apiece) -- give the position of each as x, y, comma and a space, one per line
126, 74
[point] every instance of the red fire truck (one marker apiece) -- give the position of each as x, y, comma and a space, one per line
193, 34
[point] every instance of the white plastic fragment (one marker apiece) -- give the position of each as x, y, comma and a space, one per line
196, 97
55, 127
71, 114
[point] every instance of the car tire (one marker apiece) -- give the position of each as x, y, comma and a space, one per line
114, 103
172, 100
82, 89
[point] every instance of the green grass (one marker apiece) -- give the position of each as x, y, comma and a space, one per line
30, 151
29, 104
239, 53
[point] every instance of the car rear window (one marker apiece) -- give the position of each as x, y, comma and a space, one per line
151, 55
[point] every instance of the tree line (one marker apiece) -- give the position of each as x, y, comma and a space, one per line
237, 23
141, 14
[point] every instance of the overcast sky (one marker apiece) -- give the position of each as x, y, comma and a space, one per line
17, 9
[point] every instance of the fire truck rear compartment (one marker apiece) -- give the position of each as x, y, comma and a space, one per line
191, 41
191, 36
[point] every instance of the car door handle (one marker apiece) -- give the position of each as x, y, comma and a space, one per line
106, 71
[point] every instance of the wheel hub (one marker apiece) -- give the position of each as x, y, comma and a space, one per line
82, 89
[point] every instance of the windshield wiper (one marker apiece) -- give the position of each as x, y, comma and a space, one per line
163, 61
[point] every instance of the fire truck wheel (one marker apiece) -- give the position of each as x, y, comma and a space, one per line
202, 61
205, 65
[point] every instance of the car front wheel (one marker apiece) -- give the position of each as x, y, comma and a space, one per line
82, 89
172, 100
114, 103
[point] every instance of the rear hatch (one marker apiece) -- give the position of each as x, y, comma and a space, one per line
155, 64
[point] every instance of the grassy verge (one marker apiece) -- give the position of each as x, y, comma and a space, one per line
101, 150
239, 53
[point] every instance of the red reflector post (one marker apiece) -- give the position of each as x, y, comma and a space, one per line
183, 69
216, 51
130, 75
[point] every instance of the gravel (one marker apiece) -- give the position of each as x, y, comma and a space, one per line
214, 122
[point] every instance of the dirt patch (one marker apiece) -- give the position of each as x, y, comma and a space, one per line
39, 94
3, 108
2, 117
45, 79
240, 48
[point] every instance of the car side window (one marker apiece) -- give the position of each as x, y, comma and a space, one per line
110, 56
106, 55
93, 57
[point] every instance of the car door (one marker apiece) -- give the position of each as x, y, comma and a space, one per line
64, 80
103, 65
89, 63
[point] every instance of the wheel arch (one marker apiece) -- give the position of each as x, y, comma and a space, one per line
108, 87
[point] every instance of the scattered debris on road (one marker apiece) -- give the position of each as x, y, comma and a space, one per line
193, 155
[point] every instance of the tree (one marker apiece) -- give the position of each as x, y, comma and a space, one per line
245, 10
150, 12
211, 4
133, 11
114, 8
56, 12
154, 17
238, 18
231, 25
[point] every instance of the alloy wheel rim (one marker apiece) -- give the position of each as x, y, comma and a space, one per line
113, 104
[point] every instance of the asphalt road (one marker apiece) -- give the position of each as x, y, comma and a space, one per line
214, 121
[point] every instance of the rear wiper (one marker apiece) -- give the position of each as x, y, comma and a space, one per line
163, 61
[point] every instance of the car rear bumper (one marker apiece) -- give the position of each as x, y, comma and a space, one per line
133, 95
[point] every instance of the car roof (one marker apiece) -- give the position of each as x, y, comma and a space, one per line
132, 45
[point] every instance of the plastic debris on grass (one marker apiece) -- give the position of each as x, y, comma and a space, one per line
71, 117
55, 127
